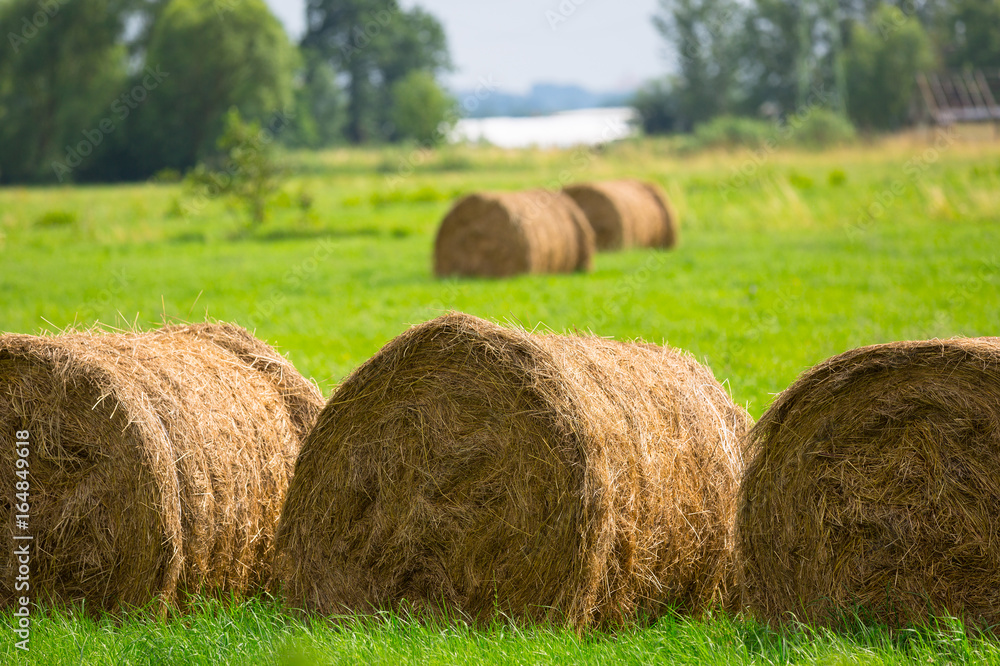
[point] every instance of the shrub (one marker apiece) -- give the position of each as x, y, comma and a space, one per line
800, 181
656, 105
250, 175
57, 218
820, 128
733, 132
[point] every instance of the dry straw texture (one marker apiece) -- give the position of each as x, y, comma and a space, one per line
508, 233
486, 470
158, 461
875, 488
627, 213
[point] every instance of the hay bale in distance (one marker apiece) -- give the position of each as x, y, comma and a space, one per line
480, 469
874, 488
507, 233
158, 461
627, 213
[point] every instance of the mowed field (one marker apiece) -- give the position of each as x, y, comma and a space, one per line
786, 258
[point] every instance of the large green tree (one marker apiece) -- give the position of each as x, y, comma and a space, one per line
881, 67
62, 64
419, 108
973, 33
376, 44
415, 44
214, 56
790, 51
319, 105
861, 56
702, 36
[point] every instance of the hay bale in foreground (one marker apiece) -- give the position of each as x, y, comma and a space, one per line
507, 233
158, 461
626, 213
875, 487
486, 470
299, 395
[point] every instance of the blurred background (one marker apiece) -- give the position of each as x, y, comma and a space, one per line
108, 90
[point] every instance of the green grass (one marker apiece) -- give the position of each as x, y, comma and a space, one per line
256, 632
779, 267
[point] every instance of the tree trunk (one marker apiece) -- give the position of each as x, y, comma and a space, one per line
358, 107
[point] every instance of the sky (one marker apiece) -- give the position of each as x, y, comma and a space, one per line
602, 45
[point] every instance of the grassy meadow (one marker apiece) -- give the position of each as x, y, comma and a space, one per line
786, 258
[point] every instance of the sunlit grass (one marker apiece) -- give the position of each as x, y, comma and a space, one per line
776, 271
264, 632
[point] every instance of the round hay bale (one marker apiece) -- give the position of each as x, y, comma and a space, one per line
158, 461
627, 213
298, 394
507, 233
485, 471
874, 489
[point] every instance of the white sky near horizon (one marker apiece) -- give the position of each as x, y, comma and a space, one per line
603, 45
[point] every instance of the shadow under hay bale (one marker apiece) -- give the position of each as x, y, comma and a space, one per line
158, 461
509, 233
626, 213
874, 489
482, 470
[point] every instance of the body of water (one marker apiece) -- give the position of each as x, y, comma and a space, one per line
568, 128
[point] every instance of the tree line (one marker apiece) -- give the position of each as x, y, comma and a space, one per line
125, 89
773, 57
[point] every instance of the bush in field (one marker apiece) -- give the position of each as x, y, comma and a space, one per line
821, 128
250, 174
734, 132
57, 218
656, 104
